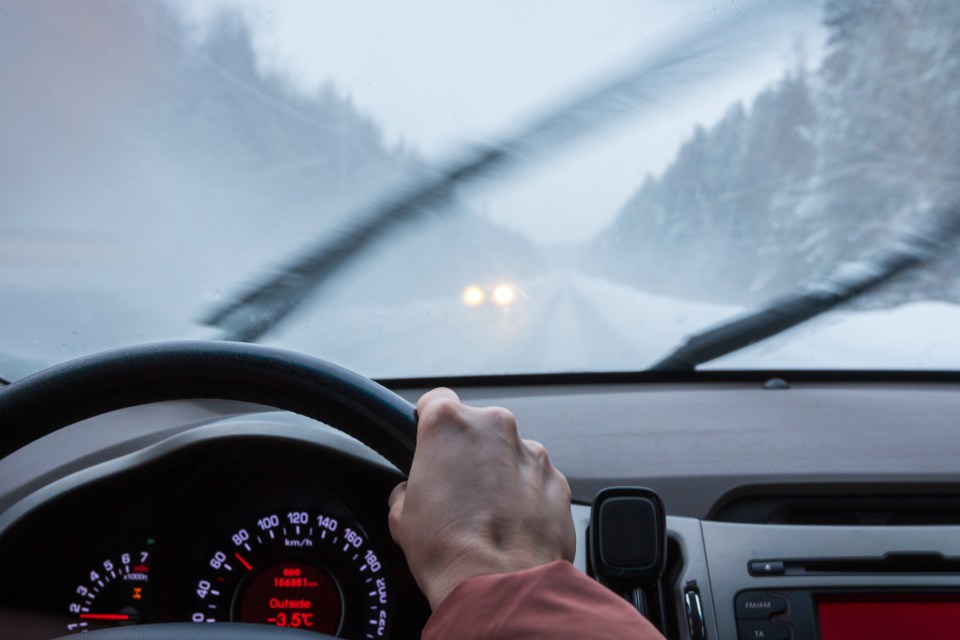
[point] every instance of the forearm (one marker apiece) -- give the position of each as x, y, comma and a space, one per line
553, 600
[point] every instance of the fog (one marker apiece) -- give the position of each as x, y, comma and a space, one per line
161, 159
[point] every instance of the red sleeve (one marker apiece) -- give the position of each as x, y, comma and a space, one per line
551, 601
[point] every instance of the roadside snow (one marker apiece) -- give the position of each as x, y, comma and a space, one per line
570, 322
920, 335
562, 321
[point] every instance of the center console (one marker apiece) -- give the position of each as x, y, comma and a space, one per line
775, 582
810, 582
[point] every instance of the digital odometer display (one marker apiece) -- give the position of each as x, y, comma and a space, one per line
888, 616
291, 594
301, 569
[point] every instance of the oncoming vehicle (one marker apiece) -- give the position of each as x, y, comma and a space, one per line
707, 253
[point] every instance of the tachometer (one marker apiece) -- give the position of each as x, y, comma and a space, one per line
114, 592
299, 568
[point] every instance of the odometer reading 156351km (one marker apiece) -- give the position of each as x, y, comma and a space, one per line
298, 569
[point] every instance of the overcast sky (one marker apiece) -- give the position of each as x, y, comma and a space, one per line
438, 74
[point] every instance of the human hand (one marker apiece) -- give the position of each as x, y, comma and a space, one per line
479, 499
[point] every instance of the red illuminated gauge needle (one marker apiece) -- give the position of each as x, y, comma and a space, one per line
243, 562
104, 616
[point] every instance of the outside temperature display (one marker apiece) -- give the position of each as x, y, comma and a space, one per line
297, 568
292, 594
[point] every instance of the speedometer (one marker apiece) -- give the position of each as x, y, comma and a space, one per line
299, 568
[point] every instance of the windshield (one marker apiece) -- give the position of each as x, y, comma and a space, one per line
430, 188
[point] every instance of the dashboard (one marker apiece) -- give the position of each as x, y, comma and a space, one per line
786, 504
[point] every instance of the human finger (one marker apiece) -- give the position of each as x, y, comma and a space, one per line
396, 496
433, 395
395, 501
440, 410
538, 451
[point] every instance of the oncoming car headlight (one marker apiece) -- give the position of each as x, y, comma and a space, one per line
473, 296
502, 295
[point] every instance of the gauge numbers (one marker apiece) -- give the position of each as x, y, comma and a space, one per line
113, 593
297, 568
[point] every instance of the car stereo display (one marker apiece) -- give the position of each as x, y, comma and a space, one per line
831, 614
888, 616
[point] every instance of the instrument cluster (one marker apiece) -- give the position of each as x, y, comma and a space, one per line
256, 530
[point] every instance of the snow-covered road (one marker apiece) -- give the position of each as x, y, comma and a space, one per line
566, 321
562, 321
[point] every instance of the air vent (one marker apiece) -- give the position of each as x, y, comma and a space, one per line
849, 510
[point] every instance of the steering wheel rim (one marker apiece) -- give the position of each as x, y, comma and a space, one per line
130, 376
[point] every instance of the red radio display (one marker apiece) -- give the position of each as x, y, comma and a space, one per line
888, 617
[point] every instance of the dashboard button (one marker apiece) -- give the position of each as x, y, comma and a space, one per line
759, 604
766, 568
762, 630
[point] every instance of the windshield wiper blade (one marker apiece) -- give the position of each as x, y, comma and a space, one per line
267, 303
912, 248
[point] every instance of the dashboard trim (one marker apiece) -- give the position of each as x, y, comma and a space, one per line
278, 425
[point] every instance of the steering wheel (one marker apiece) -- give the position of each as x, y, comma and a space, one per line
39, 404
